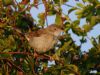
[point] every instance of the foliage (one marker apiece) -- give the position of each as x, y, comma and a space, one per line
16, 56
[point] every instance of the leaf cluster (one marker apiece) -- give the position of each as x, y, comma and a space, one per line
16, 56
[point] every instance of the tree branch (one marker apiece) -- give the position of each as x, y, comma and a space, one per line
11, 62
24, 53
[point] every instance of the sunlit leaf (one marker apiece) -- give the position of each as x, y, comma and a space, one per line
76, 22
63, 1
83, 40
71, 10
58, 19
41, 17
78, 12
72, 68
56, 1
87, 27
68, 26
0, 73
7, 2
64, 52
85, 0
80, 5
93, 20
99, 38
52, 11
94, 42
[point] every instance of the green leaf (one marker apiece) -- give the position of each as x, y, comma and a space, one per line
51, 13
63, 1
72, 67
52, 10
6, 55
41, 17
56, 1
22, 6
94, 42
58, 19
93, 20
72, 9
76, 22
78, 12
97, 6
68, 26
76, 29
87, 27
67, 17
80, 5
99, 39
85, 0
65, 47
0, 73
7, 50
83, 40
7, 2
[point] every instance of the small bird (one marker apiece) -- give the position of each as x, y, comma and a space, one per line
44, 39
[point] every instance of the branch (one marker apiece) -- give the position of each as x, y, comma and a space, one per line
68, 5
24, 53
11, 62
29, 6
46, 18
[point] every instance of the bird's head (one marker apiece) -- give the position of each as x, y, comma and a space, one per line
55, 30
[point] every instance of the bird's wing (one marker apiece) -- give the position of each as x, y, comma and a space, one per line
37, 33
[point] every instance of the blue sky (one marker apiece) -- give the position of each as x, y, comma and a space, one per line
51, 19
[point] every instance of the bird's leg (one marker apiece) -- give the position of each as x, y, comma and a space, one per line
36, 55
47, 57
41, 57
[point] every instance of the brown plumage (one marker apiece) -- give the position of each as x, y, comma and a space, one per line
44, 39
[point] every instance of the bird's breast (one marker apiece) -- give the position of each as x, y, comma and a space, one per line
43, 43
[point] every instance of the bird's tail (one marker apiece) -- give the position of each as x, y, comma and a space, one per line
17, 30
20, 32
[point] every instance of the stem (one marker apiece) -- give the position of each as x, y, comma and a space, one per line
68, 5
11, 62
46, 18
31, 64
24, 53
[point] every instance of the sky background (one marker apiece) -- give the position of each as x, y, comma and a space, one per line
51, 19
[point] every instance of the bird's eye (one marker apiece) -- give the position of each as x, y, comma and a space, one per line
55, 29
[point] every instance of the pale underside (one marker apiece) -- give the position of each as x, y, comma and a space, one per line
41, 44
44, 39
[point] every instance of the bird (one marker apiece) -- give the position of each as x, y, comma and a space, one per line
44, 39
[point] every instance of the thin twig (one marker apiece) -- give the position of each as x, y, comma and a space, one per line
31, 64
29, 6
10, 61
68, 5
24, 53
46, 18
